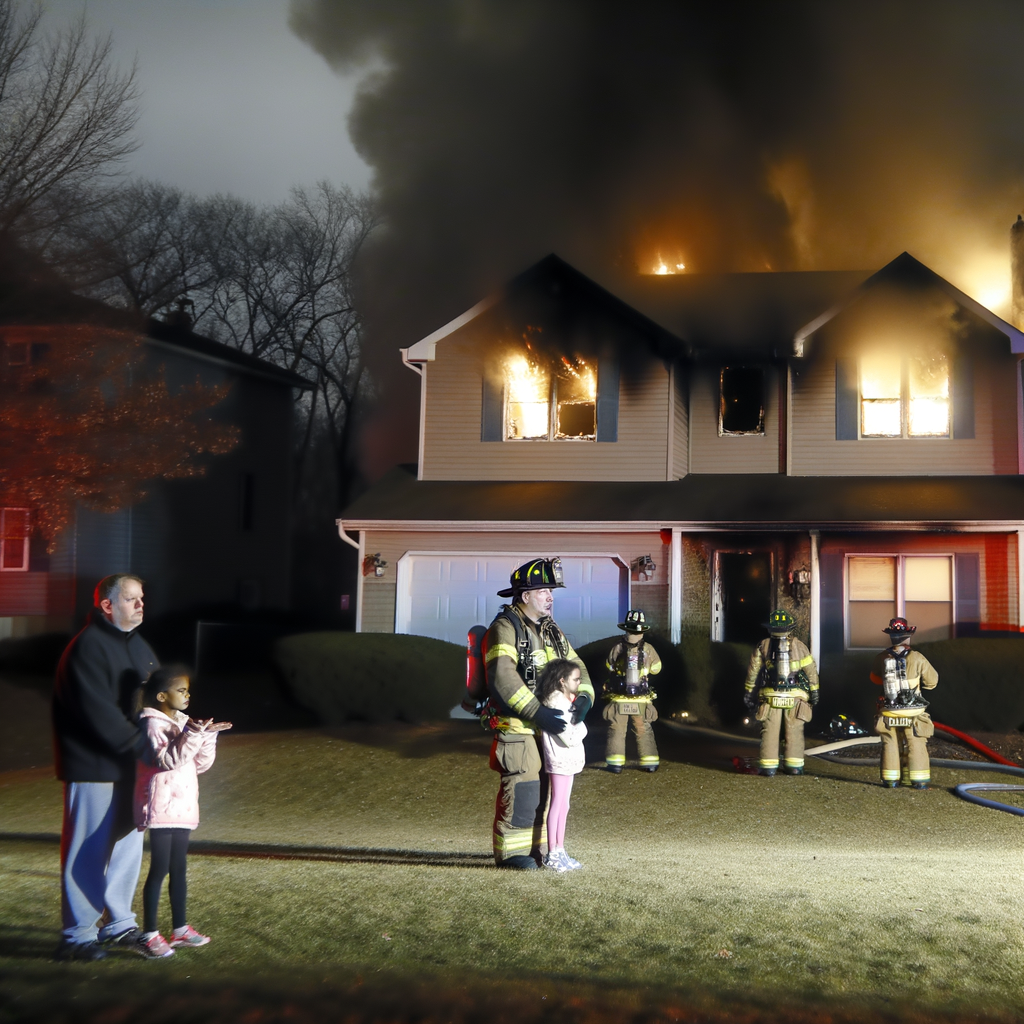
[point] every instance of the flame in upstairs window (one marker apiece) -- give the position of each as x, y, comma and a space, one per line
528, 387
662, 268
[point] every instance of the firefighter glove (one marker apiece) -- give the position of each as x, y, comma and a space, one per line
580, 706
549, 720
750, 700
813, 696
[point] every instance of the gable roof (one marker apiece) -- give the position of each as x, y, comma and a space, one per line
32, 294
547, 287
909, 272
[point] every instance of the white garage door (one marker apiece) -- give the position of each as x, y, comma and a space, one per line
443, 595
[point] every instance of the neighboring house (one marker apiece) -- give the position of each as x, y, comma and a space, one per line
222, 538
706, 448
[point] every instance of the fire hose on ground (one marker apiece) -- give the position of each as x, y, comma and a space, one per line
965, 790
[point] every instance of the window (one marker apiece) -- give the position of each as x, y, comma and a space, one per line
741, 401
905, 396
15, 528
545, 402
880, 587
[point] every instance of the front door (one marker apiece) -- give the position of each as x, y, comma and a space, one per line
743, 595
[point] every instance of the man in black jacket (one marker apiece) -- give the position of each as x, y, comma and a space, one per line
96, 743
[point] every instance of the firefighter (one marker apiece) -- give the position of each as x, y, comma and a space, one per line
521, 640
903, 723
630, 664
781, 686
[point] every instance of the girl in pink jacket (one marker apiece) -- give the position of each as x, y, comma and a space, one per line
167, 797
564, 757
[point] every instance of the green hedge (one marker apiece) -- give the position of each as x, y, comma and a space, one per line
372, 677
382, 676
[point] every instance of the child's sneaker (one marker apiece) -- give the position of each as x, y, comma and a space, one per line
574, 864
153, 948
556, 862
188, 936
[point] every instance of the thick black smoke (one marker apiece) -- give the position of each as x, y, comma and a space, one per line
821, 134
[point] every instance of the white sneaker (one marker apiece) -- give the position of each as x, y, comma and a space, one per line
574, 864
557, 862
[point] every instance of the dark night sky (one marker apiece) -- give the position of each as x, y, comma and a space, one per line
796, 134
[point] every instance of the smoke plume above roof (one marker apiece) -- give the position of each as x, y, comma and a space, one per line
718, 135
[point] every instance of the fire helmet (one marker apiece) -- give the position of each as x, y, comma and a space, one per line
899, 629
780, 621
538, 574
636, 622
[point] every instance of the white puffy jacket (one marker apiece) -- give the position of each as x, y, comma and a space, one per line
563, 754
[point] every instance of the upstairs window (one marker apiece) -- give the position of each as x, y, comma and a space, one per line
550, 402
741, 401
14, 538
906, 396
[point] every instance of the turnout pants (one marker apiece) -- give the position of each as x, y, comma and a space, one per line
520, 808
771, 720
619, 723
905, 750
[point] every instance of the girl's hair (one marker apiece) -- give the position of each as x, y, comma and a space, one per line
551, 676
159, 680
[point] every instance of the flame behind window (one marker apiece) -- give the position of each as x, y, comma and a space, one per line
528, 387
532, 388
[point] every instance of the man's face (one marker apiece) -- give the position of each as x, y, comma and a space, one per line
537, 603
125, 610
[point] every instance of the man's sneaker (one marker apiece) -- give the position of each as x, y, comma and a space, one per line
189, 937
87, 951
124, 940
557, 862
155, 947
574, 864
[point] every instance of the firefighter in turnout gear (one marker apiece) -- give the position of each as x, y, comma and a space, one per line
630, 664
521, 640
902, 721
781, 686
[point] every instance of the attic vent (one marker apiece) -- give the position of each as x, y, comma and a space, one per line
741, 401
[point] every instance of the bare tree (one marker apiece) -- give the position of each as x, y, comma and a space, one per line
67, 117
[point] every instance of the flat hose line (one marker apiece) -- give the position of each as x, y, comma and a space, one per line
965, 790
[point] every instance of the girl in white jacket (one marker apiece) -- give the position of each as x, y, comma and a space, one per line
563, 755
167, 798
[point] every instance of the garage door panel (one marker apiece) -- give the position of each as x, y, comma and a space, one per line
447, 594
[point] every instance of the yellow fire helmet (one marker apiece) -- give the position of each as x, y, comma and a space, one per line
780, 621
538, 574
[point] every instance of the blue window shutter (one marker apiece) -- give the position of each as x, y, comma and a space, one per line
963, 397
492, 411
847, 399
968, 594
608, 399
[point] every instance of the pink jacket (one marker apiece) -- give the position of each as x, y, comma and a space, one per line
166, 779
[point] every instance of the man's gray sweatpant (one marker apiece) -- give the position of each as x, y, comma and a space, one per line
99, 871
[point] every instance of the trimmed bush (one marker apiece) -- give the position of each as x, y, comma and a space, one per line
372, 677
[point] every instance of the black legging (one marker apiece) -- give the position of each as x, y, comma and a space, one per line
168, 852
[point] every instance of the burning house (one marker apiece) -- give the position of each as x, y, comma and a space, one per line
848, 446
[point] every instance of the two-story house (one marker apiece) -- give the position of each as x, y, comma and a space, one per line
708, 447
219, 539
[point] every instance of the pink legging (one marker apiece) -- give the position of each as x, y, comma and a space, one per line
558, 809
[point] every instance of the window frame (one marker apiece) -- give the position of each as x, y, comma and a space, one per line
760, 432
900, 598
904, 402
553, 406
26, 538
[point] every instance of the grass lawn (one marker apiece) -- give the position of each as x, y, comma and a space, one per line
707, 895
